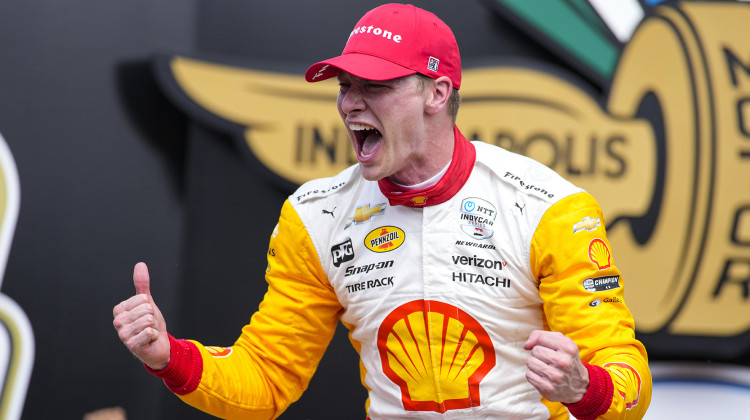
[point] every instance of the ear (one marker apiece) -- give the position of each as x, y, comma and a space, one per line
440, 91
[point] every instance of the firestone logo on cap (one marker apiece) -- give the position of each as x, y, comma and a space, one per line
371, 30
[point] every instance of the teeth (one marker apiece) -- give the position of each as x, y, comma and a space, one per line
359, 127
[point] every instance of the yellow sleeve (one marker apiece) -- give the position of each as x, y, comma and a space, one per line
583, 295
271, 363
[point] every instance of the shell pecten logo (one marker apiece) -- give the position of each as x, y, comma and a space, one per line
599, 254
219, 351
437, 354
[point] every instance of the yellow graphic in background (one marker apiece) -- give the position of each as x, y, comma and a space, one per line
667, 156
16, 336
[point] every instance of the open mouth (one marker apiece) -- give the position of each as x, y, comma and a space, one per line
368, 139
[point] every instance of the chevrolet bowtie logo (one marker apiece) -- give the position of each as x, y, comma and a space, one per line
587, 224
363, 214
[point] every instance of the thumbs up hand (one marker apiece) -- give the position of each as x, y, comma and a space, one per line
140, 325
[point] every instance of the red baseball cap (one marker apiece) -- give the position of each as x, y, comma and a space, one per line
395, 40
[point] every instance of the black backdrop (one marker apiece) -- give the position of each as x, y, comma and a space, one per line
112, 173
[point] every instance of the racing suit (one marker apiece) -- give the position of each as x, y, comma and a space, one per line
440, 289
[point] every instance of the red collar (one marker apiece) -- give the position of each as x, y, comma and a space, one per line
454, 179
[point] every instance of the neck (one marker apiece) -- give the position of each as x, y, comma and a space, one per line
435, 158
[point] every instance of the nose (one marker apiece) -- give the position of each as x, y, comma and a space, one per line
351, 100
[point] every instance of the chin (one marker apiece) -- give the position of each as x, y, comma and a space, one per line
369, 173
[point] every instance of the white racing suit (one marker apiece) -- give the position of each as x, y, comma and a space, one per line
440, 290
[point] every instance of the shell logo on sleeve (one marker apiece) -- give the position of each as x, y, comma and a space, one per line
626, 374
219, 351
599, 254
437, 354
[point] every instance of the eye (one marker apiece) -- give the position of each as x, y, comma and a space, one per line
344, 87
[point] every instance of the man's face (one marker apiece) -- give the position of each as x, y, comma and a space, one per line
385, 122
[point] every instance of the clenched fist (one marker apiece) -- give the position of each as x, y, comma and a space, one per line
555, 368
140, 325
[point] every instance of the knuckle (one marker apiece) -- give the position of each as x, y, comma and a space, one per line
564, 363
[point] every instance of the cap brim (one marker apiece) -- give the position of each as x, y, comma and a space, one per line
360, 65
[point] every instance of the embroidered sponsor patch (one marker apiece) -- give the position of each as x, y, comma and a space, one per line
478, 218
364, 213
218, 351
600, 284
599, 254
342, 252
384, 239
587, 223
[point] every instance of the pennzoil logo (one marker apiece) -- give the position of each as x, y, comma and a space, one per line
384, 239
456, 364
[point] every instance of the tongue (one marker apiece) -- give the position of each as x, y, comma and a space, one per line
371, 142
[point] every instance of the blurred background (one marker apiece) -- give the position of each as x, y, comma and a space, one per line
117, 152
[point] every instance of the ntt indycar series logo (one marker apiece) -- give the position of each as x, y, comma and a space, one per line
478, 217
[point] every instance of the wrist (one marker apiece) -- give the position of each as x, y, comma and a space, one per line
598, 396
183, 371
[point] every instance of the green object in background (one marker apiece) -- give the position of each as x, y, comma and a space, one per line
573, 26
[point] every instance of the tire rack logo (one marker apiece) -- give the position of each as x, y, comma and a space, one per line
342, 252
675, 142
384, 239
480, 215
456, 365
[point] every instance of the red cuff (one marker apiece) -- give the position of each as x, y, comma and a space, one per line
598, 396
183, 373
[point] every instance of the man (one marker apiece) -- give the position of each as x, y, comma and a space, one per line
475, 283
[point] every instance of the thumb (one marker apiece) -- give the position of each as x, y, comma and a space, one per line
141, 279
532, 341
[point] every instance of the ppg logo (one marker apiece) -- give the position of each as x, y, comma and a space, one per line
342, 252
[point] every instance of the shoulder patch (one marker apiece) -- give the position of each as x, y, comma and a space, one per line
323, 187
525, 174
